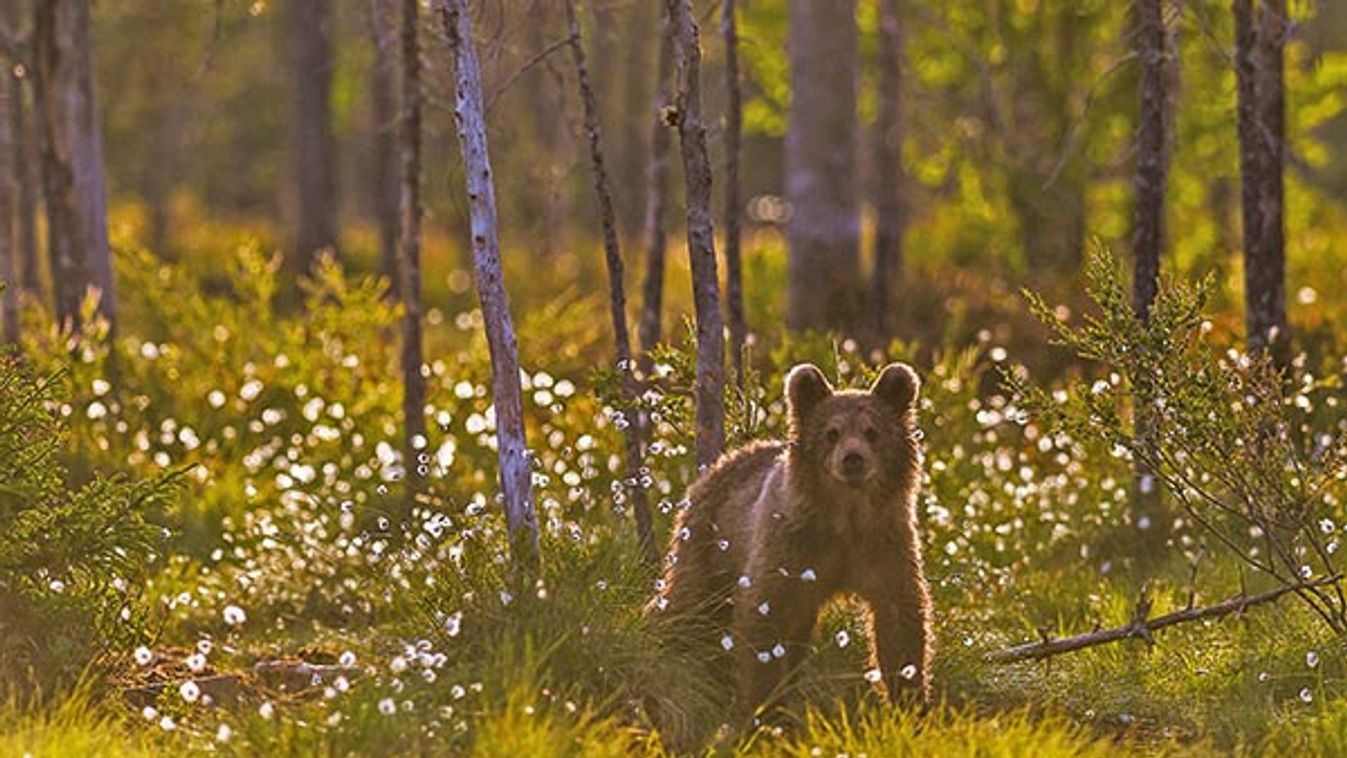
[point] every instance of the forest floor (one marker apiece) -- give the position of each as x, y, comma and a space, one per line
299, 609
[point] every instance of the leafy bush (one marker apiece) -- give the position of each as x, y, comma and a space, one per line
1231, 439
72, 559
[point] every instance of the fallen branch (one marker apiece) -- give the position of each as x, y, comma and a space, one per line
1142, 628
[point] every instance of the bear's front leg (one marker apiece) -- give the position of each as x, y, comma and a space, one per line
773, 622
900, 641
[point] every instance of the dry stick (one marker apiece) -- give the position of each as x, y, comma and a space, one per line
515, 480
409, 255
617, 297
1143, 628
734, 121
710, 439
657, 181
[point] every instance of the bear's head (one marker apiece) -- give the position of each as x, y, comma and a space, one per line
856, 438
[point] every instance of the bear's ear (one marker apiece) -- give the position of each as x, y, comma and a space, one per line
806, 387
898, 386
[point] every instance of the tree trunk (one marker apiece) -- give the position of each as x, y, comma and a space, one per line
26, 183
386, 189
890, 216
656, 196
408, 264
71, 158
30, 184
710, 437
1155, 52
824, 227
1259, 43
734, 126
88, 165
617, 295
308, 24
9, 303
469, 111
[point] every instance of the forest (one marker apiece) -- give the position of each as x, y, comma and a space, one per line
673, 377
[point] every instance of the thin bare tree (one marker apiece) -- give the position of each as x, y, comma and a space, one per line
1156, 53
470, 113
617, 295
890, 215
1260, 39
308, 25
72, 157
408, 262
656, 200
734, 128
687, 110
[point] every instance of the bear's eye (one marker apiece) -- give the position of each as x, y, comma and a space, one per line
833, 436
871, 435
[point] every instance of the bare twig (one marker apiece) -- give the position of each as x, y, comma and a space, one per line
538, 57
1143, 628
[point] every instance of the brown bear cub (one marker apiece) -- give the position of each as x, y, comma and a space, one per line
777, 529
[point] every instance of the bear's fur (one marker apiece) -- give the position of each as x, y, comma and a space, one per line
776, 529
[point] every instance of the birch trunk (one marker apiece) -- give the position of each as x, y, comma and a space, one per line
617, 296
515, 476
710, 391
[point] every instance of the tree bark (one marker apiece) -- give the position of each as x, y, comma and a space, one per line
1259, 43
890, 215
617, 296
408, 263
71, 158
19, 69
515, 476
656, 198
734, 126
386, 188
710, 437
9, 303
309, 24
30, 184
824, 227
1155, 52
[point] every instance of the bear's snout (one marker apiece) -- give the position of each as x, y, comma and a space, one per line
853, 465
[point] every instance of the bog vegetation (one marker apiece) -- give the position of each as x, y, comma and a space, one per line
219, 531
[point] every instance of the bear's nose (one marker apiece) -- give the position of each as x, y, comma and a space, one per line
853, 462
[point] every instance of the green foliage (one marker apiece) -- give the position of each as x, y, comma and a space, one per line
1262, 485
72, 559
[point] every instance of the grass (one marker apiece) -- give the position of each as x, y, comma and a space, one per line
287, 515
